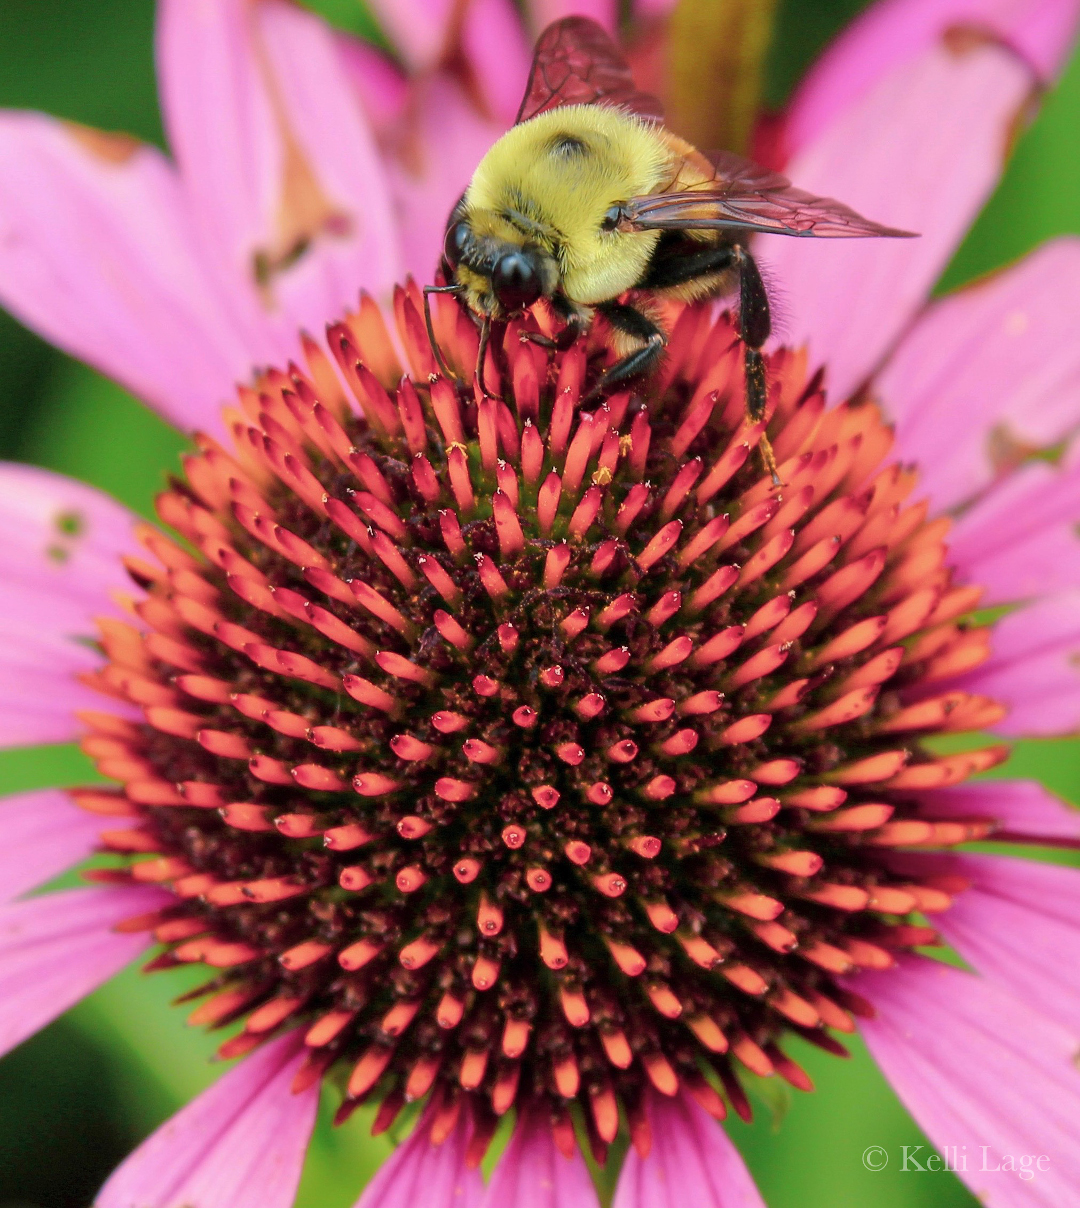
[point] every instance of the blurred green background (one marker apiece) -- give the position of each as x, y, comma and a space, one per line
77, 1097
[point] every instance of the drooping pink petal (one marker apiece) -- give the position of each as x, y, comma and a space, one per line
692, 1161
532, 1173
495, 44
1022, 806
931, 135
653, 8
976, 1067
605, 12
379, 82
39, 695
449, 140
240, 1144
418, 1172
994, 363
277, 161
320, 111
41, 835
1034, 668
98, 254
499, 52
1019, 925
56, 948
417, 29
221, 128
60, 548
1020, 539
891, 31
61, 534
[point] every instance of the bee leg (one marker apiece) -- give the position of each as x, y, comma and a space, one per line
575, 325
538, 338
641, 360
576, 322
436, 350
755, 324
680, 260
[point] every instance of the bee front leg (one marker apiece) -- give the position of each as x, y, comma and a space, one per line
633, 323
575, 325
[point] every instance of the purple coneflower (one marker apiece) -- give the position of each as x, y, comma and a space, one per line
537, 755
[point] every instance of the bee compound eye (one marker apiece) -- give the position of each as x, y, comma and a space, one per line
457, 239
611, 218
516, 281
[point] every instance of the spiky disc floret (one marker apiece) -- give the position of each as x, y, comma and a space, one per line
537, 748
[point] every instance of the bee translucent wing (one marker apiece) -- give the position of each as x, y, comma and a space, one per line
576, 63
743, 196
735, 171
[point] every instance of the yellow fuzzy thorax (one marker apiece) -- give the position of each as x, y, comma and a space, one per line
560, 172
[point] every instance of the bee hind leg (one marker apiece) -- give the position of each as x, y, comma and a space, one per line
680, 261
633, 323
755, 325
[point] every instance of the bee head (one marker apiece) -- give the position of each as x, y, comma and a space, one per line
513, 274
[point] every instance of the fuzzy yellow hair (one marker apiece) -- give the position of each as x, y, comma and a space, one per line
560, 172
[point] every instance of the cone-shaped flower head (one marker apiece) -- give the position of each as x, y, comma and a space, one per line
537, 748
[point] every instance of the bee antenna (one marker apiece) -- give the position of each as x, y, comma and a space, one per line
436, 350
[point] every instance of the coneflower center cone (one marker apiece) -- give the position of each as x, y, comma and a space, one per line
538, 749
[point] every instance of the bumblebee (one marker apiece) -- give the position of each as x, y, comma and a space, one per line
589, 198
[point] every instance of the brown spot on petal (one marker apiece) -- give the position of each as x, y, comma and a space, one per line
305, 212
110, 146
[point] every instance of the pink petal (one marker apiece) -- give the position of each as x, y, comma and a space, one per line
221, 125
328, 123
98, 254
532, 1173
382, 88
450, 139
1034, 667
240, 1144
1019, 925
1023, 806
257, 97
692, 1161
931, 134
419, 1173
60, 549
1020, 540
894, 30
976, 1068
39, 695
500, 53
41, 835
495, 43
653, 8
1000, 354
60, 534
56, 948
605, 12
416, 28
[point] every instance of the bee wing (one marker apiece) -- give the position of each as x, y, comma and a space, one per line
743, 196
576, 63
